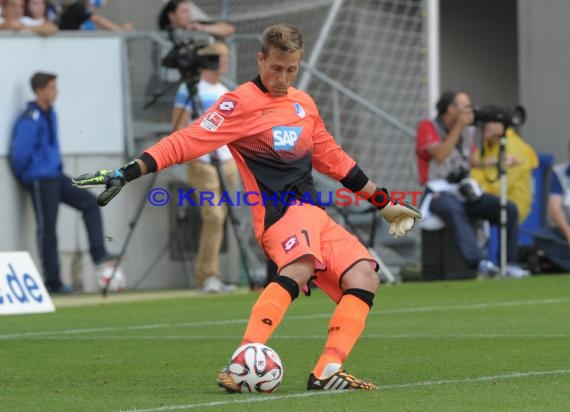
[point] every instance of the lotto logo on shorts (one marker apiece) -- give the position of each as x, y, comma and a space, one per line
285, 137
290, 243
227, 106
212, 121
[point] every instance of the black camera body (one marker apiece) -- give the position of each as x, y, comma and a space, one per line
458, 175
185, 55
509, 116
468, 187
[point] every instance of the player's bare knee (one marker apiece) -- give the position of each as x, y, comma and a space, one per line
301, 270
361, 276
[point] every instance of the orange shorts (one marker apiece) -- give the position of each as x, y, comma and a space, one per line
308, 230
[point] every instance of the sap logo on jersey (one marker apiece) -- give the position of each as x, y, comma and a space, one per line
285, 137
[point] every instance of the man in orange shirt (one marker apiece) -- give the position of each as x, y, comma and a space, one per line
276, 137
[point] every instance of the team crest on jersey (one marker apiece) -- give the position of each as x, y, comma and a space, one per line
290, 243
299, 110
212, 121
227, 106
285, 137
34, 114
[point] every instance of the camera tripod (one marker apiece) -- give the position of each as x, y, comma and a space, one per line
503, 197
191, 82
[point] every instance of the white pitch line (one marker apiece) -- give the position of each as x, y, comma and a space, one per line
319, 337
267, 398
474, 306
250, 399
294, 317
513, 375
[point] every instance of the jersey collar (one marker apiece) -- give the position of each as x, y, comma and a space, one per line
257, 82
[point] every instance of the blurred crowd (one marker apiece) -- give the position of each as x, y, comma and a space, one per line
48, 17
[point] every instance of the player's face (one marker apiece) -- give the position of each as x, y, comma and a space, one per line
278, 70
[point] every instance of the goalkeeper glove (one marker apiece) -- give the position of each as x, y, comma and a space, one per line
400, 214
112, 180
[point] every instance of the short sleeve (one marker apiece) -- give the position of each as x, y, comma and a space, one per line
181, 101
555, 185
426, 136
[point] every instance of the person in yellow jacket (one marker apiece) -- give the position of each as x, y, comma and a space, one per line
521, 160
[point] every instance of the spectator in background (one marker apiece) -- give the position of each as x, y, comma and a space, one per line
445, 154
555, 239
12, 12
53, 11
13, 19
36, 14
203, 174
520, 159
176, 14
80, 15
36, 161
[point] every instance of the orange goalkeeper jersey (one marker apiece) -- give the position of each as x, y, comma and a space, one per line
275, 142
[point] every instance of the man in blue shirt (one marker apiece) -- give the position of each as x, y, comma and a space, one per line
555, 239
36, 161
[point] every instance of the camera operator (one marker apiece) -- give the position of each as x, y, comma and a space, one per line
175, 22
445, 150
203, 174
520, 161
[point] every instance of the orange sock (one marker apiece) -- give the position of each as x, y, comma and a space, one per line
266, 314
345, 327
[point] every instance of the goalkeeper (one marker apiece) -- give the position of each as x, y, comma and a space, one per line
276, 137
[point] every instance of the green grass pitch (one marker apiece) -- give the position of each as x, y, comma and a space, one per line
493, 345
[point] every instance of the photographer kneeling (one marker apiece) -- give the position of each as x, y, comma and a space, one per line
445, 149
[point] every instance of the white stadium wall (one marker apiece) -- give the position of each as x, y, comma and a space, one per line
92, 124
91, 95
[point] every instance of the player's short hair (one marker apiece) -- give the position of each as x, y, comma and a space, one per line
283, 37
40, 80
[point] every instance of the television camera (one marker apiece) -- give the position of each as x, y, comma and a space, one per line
509, 116
187, 54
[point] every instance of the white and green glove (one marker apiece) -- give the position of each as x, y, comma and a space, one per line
111, 180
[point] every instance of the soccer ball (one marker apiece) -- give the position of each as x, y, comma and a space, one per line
119, 281
256, 368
